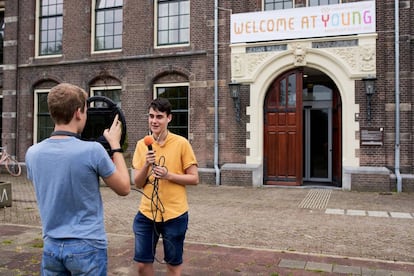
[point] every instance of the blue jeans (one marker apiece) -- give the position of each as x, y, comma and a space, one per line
73, 257
147, 232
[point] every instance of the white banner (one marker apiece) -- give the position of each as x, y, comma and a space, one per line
319, 21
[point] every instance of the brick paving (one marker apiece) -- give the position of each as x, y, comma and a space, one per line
243, 231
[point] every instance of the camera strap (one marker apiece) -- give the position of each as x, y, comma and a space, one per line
65, 133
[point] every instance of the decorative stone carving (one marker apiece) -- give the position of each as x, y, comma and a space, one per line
367, 58
347, 55
254, 61
237, 66
299, 54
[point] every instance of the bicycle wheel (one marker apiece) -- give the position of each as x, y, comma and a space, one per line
12, 166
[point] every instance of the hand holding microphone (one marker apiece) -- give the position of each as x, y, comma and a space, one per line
158, 171
148, 140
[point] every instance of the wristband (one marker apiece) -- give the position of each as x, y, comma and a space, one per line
112, 151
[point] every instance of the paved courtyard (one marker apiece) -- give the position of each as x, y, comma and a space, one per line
312, 222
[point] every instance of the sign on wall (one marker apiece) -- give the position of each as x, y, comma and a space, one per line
319, 21
372, 136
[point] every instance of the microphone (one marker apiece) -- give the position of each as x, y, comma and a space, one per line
148, 140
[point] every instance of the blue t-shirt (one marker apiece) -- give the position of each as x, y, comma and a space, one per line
65, 174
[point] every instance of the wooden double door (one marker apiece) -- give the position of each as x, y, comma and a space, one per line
302, 131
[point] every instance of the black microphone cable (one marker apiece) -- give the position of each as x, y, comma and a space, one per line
156, 206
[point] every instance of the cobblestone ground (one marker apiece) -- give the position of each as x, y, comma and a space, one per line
267, 218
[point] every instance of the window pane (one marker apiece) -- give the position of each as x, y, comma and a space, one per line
184, 36
109, 30
44, 122
59, 9
185, 21
42, 103
322, 2
44, 10
51, 35
52, 10
118, 15
100, 17
292, 90
185, 7
118, 29
173, 22
278, 4
100, 4
173, 36
118, 41
109, 42
109, 16
282, 93
99, 42
162, 10
59, 23
100, 30
173, 9
163, 23
163, 37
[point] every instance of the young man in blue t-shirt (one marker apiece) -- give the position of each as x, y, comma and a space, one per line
65, 172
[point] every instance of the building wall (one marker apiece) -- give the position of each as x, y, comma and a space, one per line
140, 65
137, 67
347, 68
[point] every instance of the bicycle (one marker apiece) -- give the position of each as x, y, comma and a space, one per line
11, 164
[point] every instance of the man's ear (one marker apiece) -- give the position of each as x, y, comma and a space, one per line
78, 114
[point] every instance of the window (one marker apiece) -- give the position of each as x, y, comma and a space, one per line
288, 4
108, 25
278, 4
173, 22
111, 92
323, 2
178, 97
1, 37
50, 27
43, 124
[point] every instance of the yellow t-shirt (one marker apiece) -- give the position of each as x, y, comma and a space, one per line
170, 199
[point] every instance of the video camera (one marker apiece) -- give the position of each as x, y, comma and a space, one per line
101, 113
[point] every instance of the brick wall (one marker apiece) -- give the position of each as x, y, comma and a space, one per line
139, 65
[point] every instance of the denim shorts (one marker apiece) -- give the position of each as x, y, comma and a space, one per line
147, 233
73, 257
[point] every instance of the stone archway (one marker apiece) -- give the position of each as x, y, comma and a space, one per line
259, 70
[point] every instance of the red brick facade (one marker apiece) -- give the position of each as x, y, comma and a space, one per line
140, 65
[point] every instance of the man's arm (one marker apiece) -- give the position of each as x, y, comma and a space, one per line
119, 181
189, 178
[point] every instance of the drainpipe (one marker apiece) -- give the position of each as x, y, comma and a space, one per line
216, 107
397, 98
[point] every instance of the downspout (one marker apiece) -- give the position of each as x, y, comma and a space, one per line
216, 107
397, 98
17, 104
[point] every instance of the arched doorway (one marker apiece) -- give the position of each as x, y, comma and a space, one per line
302, 130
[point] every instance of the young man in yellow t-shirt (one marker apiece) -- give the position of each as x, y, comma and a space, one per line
162, 170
